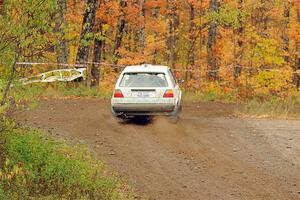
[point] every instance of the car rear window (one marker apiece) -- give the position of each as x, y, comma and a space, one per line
144, 80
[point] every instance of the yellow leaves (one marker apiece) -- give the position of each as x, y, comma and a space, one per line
105, 27
11, 171
7, 162
273, 81
72, 53
266, 52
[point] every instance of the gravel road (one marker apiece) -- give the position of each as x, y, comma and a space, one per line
209, 154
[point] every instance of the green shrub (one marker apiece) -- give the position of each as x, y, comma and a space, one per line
2, 195
43, 167
26, 93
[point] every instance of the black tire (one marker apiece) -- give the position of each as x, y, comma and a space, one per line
174, 118
116, 117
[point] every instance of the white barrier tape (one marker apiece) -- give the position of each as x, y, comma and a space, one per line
179, 70
231, 68
106, 64
58, 64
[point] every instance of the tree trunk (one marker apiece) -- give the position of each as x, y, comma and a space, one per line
1, 6
155, 16
120, 28
173, 23
191, 52
239, 43
87, 30
142, 30
175, 19
169, 33
61, 25
129, 37
285, 37
297, 59
212, 60
201, 44
261, 19
192, 40
119, 34
98, 48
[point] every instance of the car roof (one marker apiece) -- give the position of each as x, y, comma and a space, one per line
146, 68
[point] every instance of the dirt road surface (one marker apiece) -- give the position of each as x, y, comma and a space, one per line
208, 155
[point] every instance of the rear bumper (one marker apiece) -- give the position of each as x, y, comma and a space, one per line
142, 109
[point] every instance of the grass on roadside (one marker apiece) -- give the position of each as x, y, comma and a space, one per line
56, 90
35, 166
260, 104
78, 91
288, 107
209, 96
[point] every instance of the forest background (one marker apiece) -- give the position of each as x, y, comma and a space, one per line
237, 49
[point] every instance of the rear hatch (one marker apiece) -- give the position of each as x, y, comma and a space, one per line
143, 85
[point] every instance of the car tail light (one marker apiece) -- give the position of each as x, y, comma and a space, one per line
118, 94
169, 94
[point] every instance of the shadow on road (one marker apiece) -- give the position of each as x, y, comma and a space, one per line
140, 121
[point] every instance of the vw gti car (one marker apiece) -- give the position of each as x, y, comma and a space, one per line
146, 90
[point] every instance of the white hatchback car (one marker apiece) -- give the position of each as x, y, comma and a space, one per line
146, 90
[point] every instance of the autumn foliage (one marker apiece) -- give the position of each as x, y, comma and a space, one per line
249, 45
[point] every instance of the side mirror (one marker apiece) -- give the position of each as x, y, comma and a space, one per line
181, 81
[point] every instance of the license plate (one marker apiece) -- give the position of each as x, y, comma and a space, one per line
143, 94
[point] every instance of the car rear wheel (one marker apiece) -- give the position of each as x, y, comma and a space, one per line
174, 118
116, 117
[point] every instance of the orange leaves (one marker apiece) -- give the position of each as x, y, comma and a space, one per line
108, 13
199, 4
130, 58
295, 3
294, 31
294, 25
155, 4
